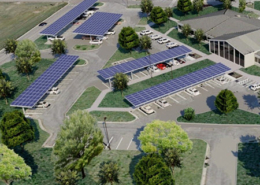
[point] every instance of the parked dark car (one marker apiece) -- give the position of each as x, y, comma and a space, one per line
43, 24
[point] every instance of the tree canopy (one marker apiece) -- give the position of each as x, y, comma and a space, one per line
158, 136
226, 101
146, 6
108, 172
120, 82
186, 29
227, 4
158, 15
66, 177
184, 6
128, 39
242, 5
58, 47
198, 5
168, 11
199, 34
6, 89
146, 43
10, 45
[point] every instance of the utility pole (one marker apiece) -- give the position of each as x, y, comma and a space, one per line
105, 128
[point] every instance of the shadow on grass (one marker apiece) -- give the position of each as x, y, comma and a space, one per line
251, 101
36, 131
211, 102
133, 163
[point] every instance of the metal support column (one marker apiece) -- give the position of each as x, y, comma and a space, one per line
109, 83
23, 111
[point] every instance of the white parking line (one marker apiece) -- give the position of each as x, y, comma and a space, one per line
129, 143
181, 97
158, 105
209, 85
110, 141
136, 76
119, 143
143, 73
173, 99
105, 85
188, 93
215, 82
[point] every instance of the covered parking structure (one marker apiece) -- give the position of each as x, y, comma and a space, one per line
141, 63
175, 85
46, 81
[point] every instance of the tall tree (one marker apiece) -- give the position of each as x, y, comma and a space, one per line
227, 4
158, 15
199, 34
120, 82
151, 170
128, 39
168, 12
184, 6
198, 5
2, 76
186, 29
242, 5
146, 6
10, 45
6, 89
158, 136
66, 177
108, 172
78, 142
12, 166
173, 158
226, 101
146, 43
16, 129
58, 47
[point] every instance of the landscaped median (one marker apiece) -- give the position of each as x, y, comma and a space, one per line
86, 47
40, 43
252, 70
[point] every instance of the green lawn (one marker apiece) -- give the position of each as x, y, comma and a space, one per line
86, 47
248, 168
86, 99
257, 5
138, 29
19, 17
113, 116
134, 6
40, 42
121, 54
144, 21
163, 28
252, 70
80, 62
190, 41
114, 99
236, 117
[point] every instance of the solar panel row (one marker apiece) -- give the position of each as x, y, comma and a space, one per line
159, 91
144, 62
98, 24
45, 82
69, 17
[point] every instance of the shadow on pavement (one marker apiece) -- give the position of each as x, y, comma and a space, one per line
211, 102
251, 101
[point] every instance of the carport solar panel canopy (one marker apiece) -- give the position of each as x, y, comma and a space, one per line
175, 85
69, 17
98, 24
143, 62
46, 81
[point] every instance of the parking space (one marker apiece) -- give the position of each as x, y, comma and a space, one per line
124, 142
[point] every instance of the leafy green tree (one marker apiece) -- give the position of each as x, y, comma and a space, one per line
10, 45
184, 6
199, 34
58, 47
168, 12
120, 82
128, 39
186, 29
189, 114
160, 135
152, 170
78, 142
146, 43
198, 5
158, 15
108, 172
242, 5
16, 129
6, 89
173, 158
2, 76
67, 177
146, 6
12, 166
227, 4
226, 101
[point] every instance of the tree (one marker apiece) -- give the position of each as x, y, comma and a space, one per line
168, 12
159, 136
120, 82
226, 101
199, 34
189, 114
2, 76
67, 177
173, 158
128, 39
58, 47
10, 45
242, 5
146, 6
16, 129
78, 142
227, 4
12, 166
198, 5
24, 67
108, 172
158, 16
146, 43
6, 89
151, 170
184, 6
186, 30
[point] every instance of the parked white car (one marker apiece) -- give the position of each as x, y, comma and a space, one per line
221, 80
111, 32
89, 12
154, 69
42, 104
147, 109
163, 103
255, 87
96, 41
163, 40
54, 90
193, 91
155, 36
146, 32
171, 45
101, 38
59, 37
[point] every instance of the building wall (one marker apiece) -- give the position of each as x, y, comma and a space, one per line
249, 59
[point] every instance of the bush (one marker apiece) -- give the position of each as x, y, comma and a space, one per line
77, 46
84, 48
189, 114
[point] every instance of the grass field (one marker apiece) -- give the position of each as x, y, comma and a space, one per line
113, 116
40, 42
257, 5
80, 62
16, 18
134, 6
86, 47
252, 70
163, 28
144, 21
190, 41
236, 117
114, 99
248, 168
138, 29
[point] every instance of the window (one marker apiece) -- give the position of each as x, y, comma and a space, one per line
216, 47
236, 57
226, 46
231, 53
242, 60
212, 47
221, 49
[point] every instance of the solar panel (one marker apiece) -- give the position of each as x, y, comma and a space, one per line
141, 63
175, 85
98, 24
45, 82
69, 17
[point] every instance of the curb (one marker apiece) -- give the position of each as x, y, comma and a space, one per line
50, 133
205, 168
86, 63
126, 122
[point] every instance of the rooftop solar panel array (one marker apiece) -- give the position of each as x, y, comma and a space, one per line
175, 85
98, 24
45, 82
69, 17
144, 62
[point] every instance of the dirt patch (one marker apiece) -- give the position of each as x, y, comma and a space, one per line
36, 12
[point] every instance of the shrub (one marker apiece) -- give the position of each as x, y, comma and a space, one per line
189, 114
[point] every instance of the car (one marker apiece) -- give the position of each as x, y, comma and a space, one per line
171, 45
176, 62
180, 60
102, 37
163, 40
54, 90
96, 41
221, 80
163, 103
42, 104
255, 87
43, 24
59, 37
167, 64
153, 69
155, 36
111, 32
146, 32
161, 66
89, 12
147, 109
193, 91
